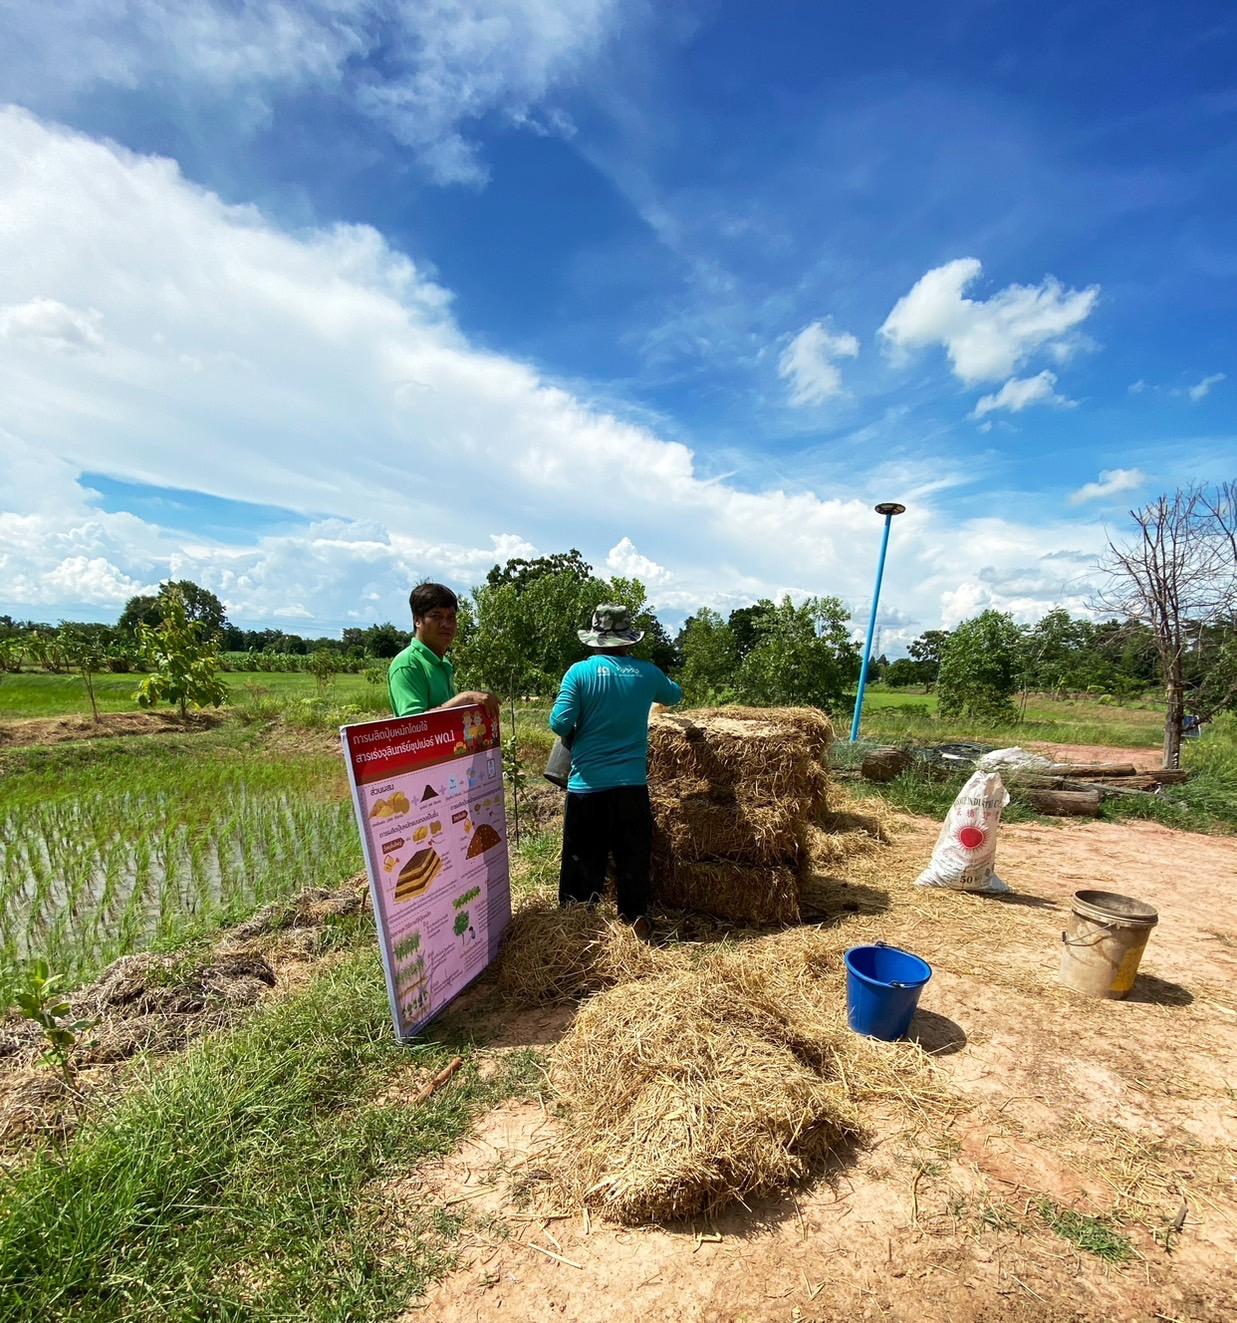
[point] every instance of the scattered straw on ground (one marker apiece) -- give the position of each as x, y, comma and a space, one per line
554, 956
725, 1079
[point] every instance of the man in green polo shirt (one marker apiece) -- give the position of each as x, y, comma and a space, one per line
421, 679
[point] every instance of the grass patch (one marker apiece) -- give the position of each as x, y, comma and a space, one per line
535, 864
1092, 1235
932, 795
35, 694
893, 716
244, 1180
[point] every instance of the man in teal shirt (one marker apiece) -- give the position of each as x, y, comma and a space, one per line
602, 710
421, 679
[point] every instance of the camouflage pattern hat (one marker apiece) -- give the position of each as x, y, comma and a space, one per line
611, 628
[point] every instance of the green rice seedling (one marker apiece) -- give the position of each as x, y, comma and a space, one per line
95, 863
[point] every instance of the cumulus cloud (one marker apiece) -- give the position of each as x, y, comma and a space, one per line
1205, 387
322, 373
443, 63
986, 339
1020, 393
623, 559
51, 324
809, 362
1112, 482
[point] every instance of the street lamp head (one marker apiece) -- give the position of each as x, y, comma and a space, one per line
890, 508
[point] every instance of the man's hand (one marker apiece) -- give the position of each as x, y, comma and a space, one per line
487, 700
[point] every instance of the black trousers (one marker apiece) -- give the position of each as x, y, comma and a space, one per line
614, 823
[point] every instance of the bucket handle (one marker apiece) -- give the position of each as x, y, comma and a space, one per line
1106, 930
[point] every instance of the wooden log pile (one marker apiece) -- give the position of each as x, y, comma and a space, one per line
1061, 789
1078, 789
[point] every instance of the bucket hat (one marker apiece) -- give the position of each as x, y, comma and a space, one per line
611, 628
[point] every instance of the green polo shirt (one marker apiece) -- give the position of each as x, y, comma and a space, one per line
419, 679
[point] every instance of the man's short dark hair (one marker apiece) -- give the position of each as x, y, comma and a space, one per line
427, 597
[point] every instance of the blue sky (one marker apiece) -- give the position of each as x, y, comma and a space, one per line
306, 301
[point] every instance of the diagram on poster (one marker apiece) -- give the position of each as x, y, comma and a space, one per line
428, 793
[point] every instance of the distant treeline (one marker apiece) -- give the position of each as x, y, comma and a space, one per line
518, 634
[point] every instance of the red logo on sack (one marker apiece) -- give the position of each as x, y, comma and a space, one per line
971, 838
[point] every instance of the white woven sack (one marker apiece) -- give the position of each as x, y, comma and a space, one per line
964, 858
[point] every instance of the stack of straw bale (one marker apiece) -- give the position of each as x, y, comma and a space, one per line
734, 792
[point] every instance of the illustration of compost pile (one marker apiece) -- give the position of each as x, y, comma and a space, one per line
734, 792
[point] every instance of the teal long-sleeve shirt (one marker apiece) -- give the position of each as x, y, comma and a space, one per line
604, 704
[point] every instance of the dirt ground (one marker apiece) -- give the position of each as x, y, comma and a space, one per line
1143, 759
1121, 1110
62, 730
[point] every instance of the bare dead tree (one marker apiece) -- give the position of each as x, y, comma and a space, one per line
1176, 575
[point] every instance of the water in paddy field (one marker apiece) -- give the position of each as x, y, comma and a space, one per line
84, 880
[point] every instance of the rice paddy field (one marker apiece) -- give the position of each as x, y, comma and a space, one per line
121, 845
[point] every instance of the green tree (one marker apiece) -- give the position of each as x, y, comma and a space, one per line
199, 604
902, 672
525, 635
87, 654
710, 658
980, 669
520, 572
804, 655
323, 666
744, 622
184, 665
927, 651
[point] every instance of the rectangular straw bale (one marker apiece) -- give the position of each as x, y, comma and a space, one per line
696, 827
761, 897
808, 724
721, 754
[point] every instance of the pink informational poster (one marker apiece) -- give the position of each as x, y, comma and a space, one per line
428, 792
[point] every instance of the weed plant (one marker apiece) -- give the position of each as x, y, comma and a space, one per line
245, 1180
1093, 1235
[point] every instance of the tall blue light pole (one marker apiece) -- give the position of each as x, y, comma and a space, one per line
888, 509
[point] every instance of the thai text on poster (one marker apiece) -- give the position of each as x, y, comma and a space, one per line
428, 792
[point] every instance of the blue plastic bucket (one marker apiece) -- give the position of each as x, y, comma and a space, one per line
883, 985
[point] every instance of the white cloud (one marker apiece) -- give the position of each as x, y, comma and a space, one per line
330, 380
51, 324
1020, 393
985, 339
445, 63
1112, 482
1205, 387
1138, 387
809, 362
90, 579
623, 559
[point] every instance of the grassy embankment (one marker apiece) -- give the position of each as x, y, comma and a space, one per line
245, 1180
